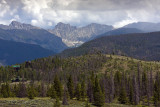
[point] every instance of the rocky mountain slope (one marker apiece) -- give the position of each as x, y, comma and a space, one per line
18, 25
73, 36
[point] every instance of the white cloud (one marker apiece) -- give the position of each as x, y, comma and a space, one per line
47, 13
126, 21
50, 24
4, 7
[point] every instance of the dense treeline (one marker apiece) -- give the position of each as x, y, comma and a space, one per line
44, 69
144, 46
135, 88
96, 78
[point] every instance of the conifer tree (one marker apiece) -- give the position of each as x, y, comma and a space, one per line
83, 90
130, 93
31, 92
42, 90
78, 91
99, 98
58, 87
157, 90
122, 96
22, 91
70, 86
4, 91
117, 82
8, 89
144, 84
65, 96
90, 91
51, 92
15, 90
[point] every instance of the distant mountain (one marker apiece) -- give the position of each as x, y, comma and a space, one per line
73, 36
144, 46
16, 52
145, 26
121, 31
26, 33
18, 25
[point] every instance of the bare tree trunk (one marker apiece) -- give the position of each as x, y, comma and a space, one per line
136, 90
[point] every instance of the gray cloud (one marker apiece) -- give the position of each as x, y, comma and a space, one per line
47, 13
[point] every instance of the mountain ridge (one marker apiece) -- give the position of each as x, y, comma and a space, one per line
144, 26
27, 33
73, 36
120, 31
18, 25
144, 46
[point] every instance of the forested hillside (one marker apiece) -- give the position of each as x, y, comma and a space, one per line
16, 52
97, 77
144, 46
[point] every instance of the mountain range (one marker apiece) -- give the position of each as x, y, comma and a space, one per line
74, 36
55, 40
26, 33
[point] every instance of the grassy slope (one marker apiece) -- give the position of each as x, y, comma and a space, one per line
127, 64
45, 102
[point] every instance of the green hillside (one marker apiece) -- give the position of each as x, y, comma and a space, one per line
144, 46
101, 79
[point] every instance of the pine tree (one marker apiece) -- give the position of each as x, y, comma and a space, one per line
8, 89
144, 84
70, 86
15, 90
78, 91
65, 97
4, 91
130, 93
83, 90
90, 91
157, 90
22, 92
31, 93
112, 88
42, 90
117, 82
122, 96
99, 98
58, 87
51, 92
90, 88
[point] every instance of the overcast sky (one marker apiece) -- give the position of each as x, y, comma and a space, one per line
47, 13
